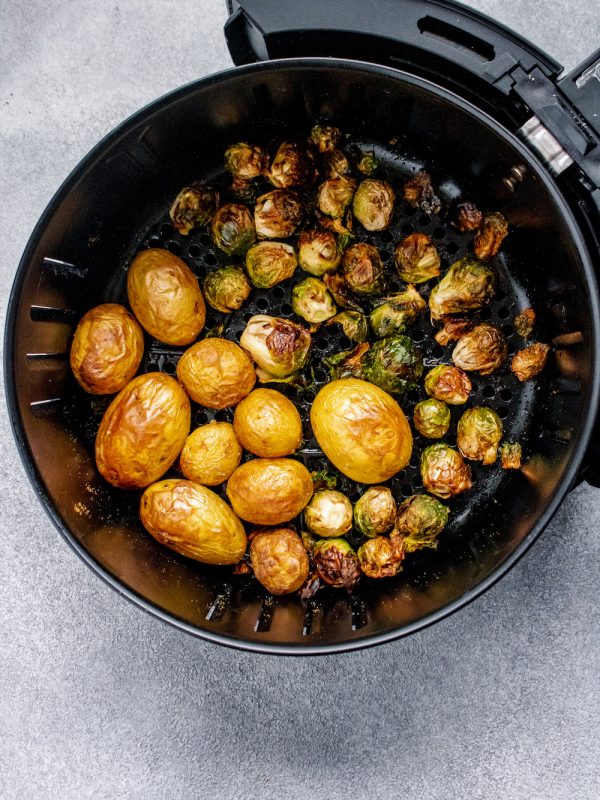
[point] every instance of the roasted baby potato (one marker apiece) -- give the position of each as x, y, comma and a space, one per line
216, 373
268, 424
165, 297
269, 491
210, 454
107, 348
142, 431
193, 521
279, 560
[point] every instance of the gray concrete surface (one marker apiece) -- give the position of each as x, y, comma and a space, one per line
98, 700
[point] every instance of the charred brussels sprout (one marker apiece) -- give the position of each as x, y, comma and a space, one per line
347, 363
291, 166
375, 511
478, 434
193, 207
524, 323
381, 557
367, 163
279, 560
335, 195
417, 259
490, 236
394, 364
328, 513
432, 418
336, 164
340, 291
454, 328
468, 217
363, 270
232, 229
353, 324
277, 214
482, 350
245, 161
510, 455
397, 313
373, 204
318, 252
226, 289
444, 472
449, 384
279, 347
468, 284
325, 137
312, 301
269, 263
420, 521
528, 363
336, 564
419, 192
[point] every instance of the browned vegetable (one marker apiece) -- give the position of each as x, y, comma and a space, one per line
448, 384
340, 291
279, 560
325, 137
419, 192
232, 229
468, 285
478, 434
269, 491
524, 323
468, 217
193, 207
420, 521
336, 564
375, 511
318, 252
269, 263
454, 328
528, 363
268, 424
362, 269
335, 195
482, 350
277, 214
510, 455
216, 373
444, 472
381, 557
245, 161
292, 165
142, 431
211, 453
328, 513
336, 164
279, 347
490, 236
373, 204
226, 289
417, 259
165, 297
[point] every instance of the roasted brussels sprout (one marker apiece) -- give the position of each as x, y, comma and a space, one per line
373, 204
510, 455
324, 479
482, 350
269, 263
394, 364
431, 418
419, 192
268, 491
353, 324
340, 291
336, 564
420, 521
107, 349
216, 373
381, 557
449, 384
468, 217
490, 236
454, 328
279, 560
193, 207
246, 161
279, 347
367, 163
468, 284
478, 434
444, 472
417, 259
397, 312
318, 252
361, 430
210, 454
232, 229
524, 323
268, 424
336, 164
325, 137
529, 362
193, 521
277, 214
312, 301
226, 289
347, 363
375, 511
328, 513
335, 195
142, 431
291, 166
363, 270
164, 295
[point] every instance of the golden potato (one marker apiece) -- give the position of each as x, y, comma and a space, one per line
216, 373
107, 349
193, 521
211, 453
268, 424
268, 491
165, 297
142, 431
361, 429
279, 560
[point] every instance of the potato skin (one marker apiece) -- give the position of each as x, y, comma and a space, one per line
361, 429
268, 424
269, 491
142, 431
165, 296
193, 521
279, 560
210, 454
107, 349
216, 373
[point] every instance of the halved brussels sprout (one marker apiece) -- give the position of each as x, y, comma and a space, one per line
482, 350
431, 418
510, 455
394, 364
468, 284
375, 511
340, 291
312, 301
318, 252
328, 513
419, 192
353, 323
490, 236
363, 269
233, 229
373, 204
367, 163
478, 434
246, 161
226, 289
449, 384
292, 165
335, 195
193, 207
381, 557
336, 564
279, 347
397, 312
336, 164
279, 560
524, 323
444, 472
420, 520
468, 217
454, 328
417, 259
529, 362
277, 214
325, 137
269, 263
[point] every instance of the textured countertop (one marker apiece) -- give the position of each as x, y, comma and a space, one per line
98, 700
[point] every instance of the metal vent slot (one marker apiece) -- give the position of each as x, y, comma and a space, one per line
265, 617
63, 269
359, 616
45, 408
52, 314
220, 604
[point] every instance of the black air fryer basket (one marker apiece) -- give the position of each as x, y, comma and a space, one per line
489, 116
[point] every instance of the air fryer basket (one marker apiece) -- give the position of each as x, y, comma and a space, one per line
115, 204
